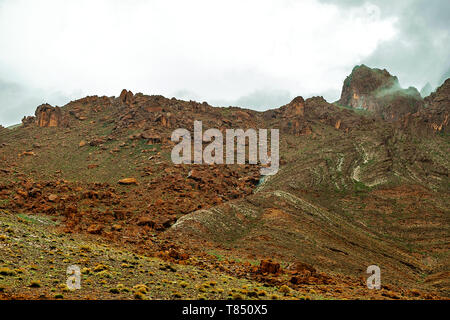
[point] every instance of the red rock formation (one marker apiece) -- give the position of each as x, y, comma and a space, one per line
267, 266
152, 137
48, 116
379, 92
296, 108
126, 97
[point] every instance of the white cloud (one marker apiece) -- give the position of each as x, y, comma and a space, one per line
215, 50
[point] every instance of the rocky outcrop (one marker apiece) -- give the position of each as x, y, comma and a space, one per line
268, 266
28, 121
126, 97
299, 116
433, 117
295, 108
48, 116
128, 181
379, 92
437, 108
290, 118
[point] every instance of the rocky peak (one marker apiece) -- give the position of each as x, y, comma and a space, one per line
363, 82
379, 92
28, 121
295, 108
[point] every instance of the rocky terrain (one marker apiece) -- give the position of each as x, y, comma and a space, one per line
362, 181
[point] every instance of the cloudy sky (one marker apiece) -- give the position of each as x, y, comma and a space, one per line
251, 53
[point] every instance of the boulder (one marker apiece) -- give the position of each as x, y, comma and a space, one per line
48, 116
116, 227
302, 267
52, 197
95, 229
27, 153
96, 142
379, 92
128, 181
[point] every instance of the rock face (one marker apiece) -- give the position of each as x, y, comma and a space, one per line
126, 97
295, 108
128, 181
48, 116
379, 92
437, 107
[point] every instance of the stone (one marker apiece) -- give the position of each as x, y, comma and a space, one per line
296, 107
52, 197
128, 181
28, 121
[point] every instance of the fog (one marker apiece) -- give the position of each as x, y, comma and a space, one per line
257, 54
419, 52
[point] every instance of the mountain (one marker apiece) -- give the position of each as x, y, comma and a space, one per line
361, 182
379, 92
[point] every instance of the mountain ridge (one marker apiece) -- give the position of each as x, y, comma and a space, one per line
356, 186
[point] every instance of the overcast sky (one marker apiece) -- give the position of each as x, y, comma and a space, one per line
250, 53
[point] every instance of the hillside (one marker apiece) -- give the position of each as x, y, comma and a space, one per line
361, 182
